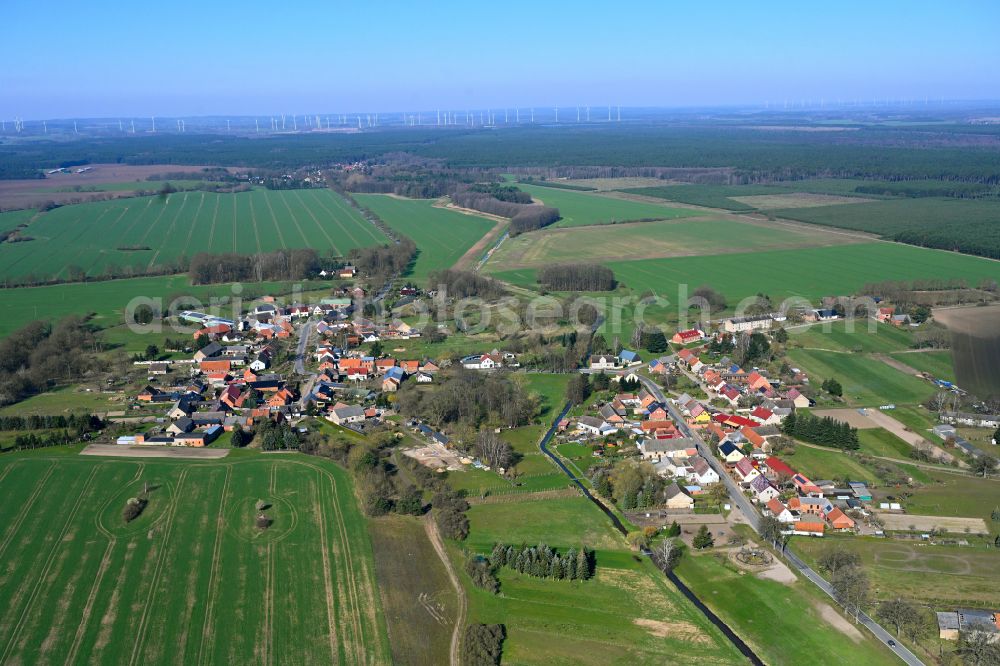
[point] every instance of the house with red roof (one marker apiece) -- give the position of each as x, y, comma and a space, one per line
764, 416
805, 486
778, 468
688, 336
797, 398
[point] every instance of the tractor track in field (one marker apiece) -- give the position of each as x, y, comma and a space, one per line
88, 608
15, 525
166, 236
319, 225
206, 633
295, 220
341, 204
49, 560
256, 231
211, 230
327, 580
274, 220
194, 223
157, 571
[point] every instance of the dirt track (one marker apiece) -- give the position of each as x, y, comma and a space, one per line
456, 634
143, 451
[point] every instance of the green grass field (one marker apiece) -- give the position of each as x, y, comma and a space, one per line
192, 580
582, 208
629, 613
881, 442
783, 623
107, 300
827, 464
852, 336
938, 363
629, 242
90, 236
11, 219
127, 186
936, 575
442, 236
867, 382
721, 196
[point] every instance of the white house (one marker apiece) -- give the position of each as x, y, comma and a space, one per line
603, 362
594, 426
703, 473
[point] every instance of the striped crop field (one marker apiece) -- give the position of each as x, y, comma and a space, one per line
192, 580
442, 235
142, 234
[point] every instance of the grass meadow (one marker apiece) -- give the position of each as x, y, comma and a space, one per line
191, 580
442, 236
867, 382
583, 208
783, 623
97, 236
629, 613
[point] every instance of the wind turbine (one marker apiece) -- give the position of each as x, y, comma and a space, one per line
532, 114
256, 124
227, 125
557, 114
154, 124
133, 127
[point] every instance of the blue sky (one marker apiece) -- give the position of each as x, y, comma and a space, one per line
96, 57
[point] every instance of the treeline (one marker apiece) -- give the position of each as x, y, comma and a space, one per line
469, 398
508, 193
979, 238
826, 431
542, 561
384, 260
904, 294
923, 190
633, 485
40, 355
293, 264
466, 284
75, 273
524, 217
577, 277
81, 423
41, 441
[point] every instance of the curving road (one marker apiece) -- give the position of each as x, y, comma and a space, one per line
754, 518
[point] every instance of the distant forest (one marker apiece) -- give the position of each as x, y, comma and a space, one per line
957, 152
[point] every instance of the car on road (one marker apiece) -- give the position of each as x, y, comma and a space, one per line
891, 643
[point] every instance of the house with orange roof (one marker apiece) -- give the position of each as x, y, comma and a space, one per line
840, 520
751, 436
215, 366
756, 381
808, 528
410, 366
780, 511
383, 364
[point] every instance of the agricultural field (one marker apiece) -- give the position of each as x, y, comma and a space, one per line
810, 273
863, 335
881, 442
11, 219
627, 242
442, 236
419, 610
583, 208
867, 382
149, 233
730, 197
967, 225
106, 300
760, 610
192, 579
628, 612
